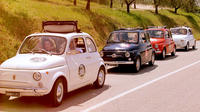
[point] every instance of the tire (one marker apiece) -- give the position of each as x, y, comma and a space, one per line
99, 83
194, 46
187, 47
137, 64
174, 51
151, 63
4, 98
57, 93
163, 55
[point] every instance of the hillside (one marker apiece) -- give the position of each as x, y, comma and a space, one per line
19, 18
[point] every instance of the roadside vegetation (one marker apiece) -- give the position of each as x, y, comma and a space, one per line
19, 18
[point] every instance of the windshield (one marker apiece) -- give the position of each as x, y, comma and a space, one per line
117, 37
179, 31
44, 45
155, 33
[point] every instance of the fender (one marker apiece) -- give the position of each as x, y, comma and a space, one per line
55, 77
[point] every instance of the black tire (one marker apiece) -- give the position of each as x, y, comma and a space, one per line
99, 83
163, 54
151, 63
4, 98
174, 51
194, 46
187, 47
56, 97
137, 64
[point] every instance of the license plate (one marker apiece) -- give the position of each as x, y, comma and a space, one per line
12, 93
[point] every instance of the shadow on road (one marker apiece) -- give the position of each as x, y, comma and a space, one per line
41, 104
183, 50
128, 70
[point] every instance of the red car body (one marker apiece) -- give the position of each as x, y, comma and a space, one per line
162, 42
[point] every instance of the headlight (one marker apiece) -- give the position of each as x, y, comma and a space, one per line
127, 54
156, 45
101, 53
37, 76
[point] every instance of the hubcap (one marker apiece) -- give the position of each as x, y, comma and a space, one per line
138, 64
101, 77
59, 93
153, 59
163, 53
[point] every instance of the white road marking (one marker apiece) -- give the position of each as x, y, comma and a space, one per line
138, 87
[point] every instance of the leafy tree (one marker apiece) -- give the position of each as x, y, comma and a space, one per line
176, 4
128, 4
111, 3
75, 2
88, 5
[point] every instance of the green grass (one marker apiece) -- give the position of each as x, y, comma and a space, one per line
19, 18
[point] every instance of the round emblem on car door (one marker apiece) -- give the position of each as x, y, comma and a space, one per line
81, 71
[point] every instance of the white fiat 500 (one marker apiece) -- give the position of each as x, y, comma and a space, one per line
183, 37
53, 64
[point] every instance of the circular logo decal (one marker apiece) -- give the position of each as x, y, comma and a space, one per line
81, 71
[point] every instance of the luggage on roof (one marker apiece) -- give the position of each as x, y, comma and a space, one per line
60, 26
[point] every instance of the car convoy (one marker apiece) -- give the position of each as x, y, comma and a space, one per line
62, 58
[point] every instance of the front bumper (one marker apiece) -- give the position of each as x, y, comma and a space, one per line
118, 62
23, 92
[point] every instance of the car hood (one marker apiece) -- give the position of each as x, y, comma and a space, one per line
120, 46
156, 40
33, 62
178, 37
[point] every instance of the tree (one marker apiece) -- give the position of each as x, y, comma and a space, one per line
134, 4
128, 4
176, 4
111, 3
88, 5
156, 4
75, 2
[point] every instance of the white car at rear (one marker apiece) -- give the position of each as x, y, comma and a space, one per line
53, 64
183, 38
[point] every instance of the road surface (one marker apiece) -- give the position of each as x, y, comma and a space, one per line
171, 85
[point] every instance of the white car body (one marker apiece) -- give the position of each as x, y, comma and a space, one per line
16, 74
182, 41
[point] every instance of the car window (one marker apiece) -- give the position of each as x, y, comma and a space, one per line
90, 45
44, 44
118, 37
155, 33
167, 34
179, 31
190, 32
143, 37
77, 45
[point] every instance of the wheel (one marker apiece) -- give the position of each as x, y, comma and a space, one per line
194, 46
100, 78
187, 47
173, 53
4, 98
163, 54
137, 64
57, 93
152, 59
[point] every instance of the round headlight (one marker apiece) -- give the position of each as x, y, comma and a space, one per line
37, 76
127, 54
101, 54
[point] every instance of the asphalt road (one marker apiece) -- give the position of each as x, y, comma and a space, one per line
171, 85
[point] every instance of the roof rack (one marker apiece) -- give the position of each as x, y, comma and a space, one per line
137, 28
60, 26
150, 27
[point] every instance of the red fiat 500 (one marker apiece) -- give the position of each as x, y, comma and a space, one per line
162, 42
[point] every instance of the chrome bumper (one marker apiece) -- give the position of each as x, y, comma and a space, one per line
24, 91
118, 62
